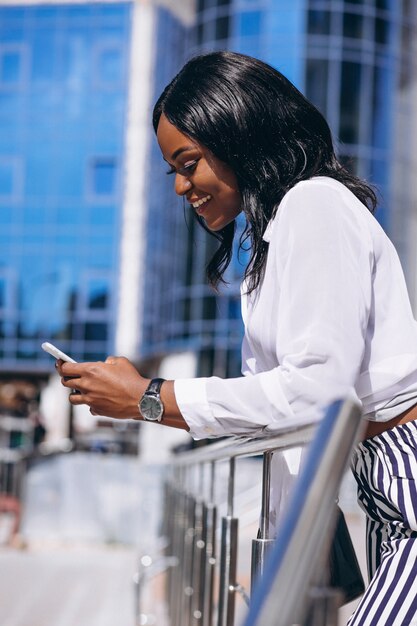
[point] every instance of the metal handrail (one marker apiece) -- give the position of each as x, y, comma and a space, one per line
233, 447
191, 519
304, 538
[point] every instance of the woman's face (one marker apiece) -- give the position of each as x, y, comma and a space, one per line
209, 185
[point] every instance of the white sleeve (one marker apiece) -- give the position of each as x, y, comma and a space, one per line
322, 261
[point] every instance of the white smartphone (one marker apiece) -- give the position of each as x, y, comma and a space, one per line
54, 351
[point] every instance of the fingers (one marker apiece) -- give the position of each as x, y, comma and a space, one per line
70, 383
76, 397
73, 370
109, 388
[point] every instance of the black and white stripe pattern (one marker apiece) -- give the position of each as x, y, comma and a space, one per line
385, 468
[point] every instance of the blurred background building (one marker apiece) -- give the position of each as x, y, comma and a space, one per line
96, 253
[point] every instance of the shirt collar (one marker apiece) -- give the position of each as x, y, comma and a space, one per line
268, 231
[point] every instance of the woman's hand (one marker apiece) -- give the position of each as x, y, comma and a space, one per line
112, 388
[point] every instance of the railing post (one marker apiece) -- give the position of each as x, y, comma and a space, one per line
199, 560
228, 557
262, 544
179, 551
297, 558
211, 525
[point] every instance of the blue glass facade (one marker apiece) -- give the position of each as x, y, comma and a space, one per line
352, 71
349, 58
181, 312
63, 85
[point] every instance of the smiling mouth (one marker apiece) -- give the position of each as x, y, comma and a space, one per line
200, 203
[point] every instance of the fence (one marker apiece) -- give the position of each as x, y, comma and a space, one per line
16, 444
201, 550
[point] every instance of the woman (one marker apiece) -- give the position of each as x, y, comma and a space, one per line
324, 300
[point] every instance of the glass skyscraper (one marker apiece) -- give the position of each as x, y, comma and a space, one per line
74, 133
63, 84
355, 62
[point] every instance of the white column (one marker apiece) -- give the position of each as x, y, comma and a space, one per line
138, 133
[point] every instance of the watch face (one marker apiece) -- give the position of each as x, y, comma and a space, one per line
151, 408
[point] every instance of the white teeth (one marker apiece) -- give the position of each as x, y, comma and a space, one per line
195, 205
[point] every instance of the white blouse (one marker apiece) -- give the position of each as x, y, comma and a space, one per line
331, 319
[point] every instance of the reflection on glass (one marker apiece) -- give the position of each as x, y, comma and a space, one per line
379, 171
381, 30
381, 95
6, 178
55, 232
10, 66
352, 25
209, 308
43, 57
2, 293
222, 28
97, 294
104, 176
319, 22
384, 5
95, 331
317, 71
250, 23
109, 65
349, 102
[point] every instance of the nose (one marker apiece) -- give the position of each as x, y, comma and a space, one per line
182, 185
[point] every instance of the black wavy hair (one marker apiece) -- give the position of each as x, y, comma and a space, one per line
253, 118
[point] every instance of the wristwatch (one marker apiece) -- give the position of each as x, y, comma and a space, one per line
150, 405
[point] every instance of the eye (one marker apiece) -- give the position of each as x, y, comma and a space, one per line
185, 170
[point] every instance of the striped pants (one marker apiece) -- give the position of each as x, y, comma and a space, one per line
385, 468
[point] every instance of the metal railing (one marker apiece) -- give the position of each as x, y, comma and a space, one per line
13, 457
201, 549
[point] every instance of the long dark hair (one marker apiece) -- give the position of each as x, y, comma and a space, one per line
254, 119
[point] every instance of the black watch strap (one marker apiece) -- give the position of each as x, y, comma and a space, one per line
154, 386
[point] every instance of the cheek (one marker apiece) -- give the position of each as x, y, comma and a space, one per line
233, 201
224, 179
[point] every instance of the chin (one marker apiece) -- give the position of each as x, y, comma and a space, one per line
214, 228
218, 224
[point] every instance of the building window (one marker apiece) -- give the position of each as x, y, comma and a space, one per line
222, 28
94, 295
97, 297
95, 331
11, 65
108, 65
381, 31
10, 178
350, 102
2, 293
319, 22
316, 83
102, 178
353, 25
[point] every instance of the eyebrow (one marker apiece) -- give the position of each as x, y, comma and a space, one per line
181, 150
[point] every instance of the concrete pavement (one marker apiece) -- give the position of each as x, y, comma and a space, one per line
58, 586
